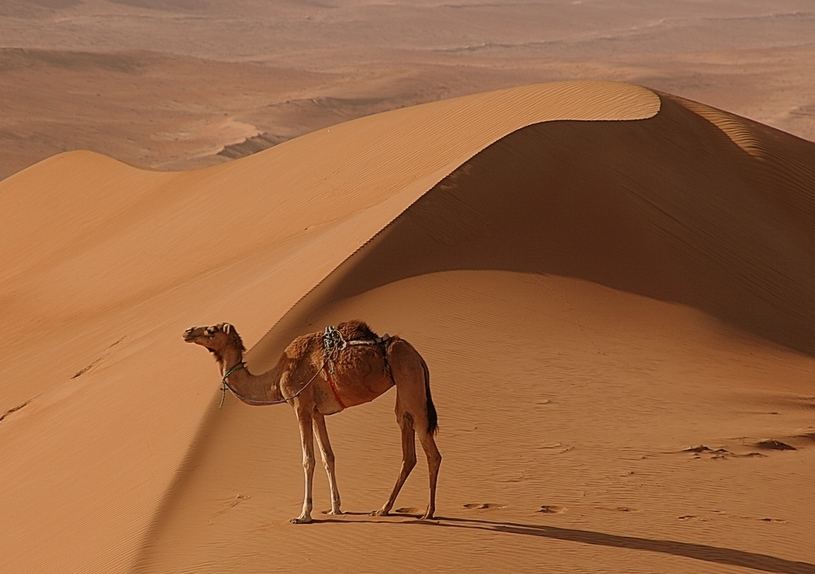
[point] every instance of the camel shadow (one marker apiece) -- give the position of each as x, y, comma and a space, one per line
704, 552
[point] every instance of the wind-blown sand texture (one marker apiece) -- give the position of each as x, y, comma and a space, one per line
613, 289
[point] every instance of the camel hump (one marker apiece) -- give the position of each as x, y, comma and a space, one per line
356, 331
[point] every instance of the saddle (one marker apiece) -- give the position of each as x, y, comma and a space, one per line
334, 343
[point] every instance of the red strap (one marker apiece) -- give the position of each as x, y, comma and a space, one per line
334, 389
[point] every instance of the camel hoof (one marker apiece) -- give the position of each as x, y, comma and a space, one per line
427, 516
380, 512
337, 512
301, 520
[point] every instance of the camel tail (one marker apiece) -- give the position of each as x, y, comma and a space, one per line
432, 416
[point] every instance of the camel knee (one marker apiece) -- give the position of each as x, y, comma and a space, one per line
308, 463
328, 458
434, 459
409, 461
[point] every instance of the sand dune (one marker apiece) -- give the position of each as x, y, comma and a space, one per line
600, 277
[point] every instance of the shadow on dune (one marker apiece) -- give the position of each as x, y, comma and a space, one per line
704, 552
675, 208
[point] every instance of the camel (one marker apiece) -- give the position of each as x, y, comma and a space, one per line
320, 374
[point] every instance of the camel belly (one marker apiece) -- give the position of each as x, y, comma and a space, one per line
338, 391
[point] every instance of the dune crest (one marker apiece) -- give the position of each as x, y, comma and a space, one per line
577, 219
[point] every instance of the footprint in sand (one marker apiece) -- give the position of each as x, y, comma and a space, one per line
96, 361
618, 508
13, 410
556, 447
767, 519
238, 499
231, 503
551, 509
483, 506
701, 449
407, 510
807, 435
772, 444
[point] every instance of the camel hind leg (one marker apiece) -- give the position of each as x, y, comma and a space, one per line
408, 458
416, 413
433, 465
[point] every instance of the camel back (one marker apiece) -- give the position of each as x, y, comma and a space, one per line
350, 333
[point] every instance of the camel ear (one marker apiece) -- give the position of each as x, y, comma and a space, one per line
227, 328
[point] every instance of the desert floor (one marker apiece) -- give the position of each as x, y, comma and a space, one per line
612, 283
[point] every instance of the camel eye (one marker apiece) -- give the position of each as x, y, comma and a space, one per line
210, 331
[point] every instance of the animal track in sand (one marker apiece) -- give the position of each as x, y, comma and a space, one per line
772, 444
556, 447
407, 510
702, 451
618, 508
483, 506
13, 410
712, 453
551, 509
238, 499
807, 435
768, 519
231, 503
96, 361
694, 517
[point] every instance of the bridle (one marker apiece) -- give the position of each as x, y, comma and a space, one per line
333, 344
225, 385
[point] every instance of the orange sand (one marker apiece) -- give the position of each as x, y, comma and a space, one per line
600, 276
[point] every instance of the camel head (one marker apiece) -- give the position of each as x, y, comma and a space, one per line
215, 338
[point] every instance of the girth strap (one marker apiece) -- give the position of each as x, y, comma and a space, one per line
334, 389
334, 343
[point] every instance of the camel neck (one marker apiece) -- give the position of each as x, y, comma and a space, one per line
251, 389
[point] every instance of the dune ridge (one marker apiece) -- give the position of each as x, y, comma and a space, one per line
579, 191
456, 228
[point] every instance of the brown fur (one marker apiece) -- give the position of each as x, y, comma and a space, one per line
235, 341
315, 389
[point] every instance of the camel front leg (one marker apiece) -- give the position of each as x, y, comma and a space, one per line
307, 440
328, 461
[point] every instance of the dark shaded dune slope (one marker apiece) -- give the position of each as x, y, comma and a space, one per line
514, 277
705, 209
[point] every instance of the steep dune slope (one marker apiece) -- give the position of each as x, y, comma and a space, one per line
592, 297
106, 264
667, 208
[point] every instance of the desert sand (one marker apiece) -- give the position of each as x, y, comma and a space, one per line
611, 287
612, 281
